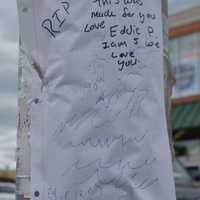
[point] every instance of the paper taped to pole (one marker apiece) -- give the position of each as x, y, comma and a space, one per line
98, 125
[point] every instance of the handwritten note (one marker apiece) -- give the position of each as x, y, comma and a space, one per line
101, 117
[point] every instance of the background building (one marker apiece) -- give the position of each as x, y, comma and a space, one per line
184, 23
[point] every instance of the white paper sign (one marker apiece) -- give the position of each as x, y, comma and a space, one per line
98, 118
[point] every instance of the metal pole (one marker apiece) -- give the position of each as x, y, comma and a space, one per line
23, 136
23, 177
24, 108
168, 74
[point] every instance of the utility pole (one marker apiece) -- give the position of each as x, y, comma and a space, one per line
25, 102
168, 74
23, 154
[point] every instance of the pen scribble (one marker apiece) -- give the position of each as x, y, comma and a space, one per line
106, 108
106, 142
96, 166
119, 181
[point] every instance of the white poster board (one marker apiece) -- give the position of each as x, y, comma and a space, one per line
98, 128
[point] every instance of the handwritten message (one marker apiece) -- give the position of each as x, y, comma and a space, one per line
103, 120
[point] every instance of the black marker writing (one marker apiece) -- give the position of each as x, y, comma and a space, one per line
48, 25
54, 23
94, 26
99, 14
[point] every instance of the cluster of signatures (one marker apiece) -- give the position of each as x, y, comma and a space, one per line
96, 173
107, 109
92, 180
104, 105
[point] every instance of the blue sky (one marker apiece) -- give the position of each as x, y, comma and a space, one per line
8, 75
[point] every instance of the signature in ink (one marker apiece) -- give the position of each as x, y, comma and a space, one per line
98, 174
121, 164
109, 108
100, 142
98, 165
98, 189
106, 142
